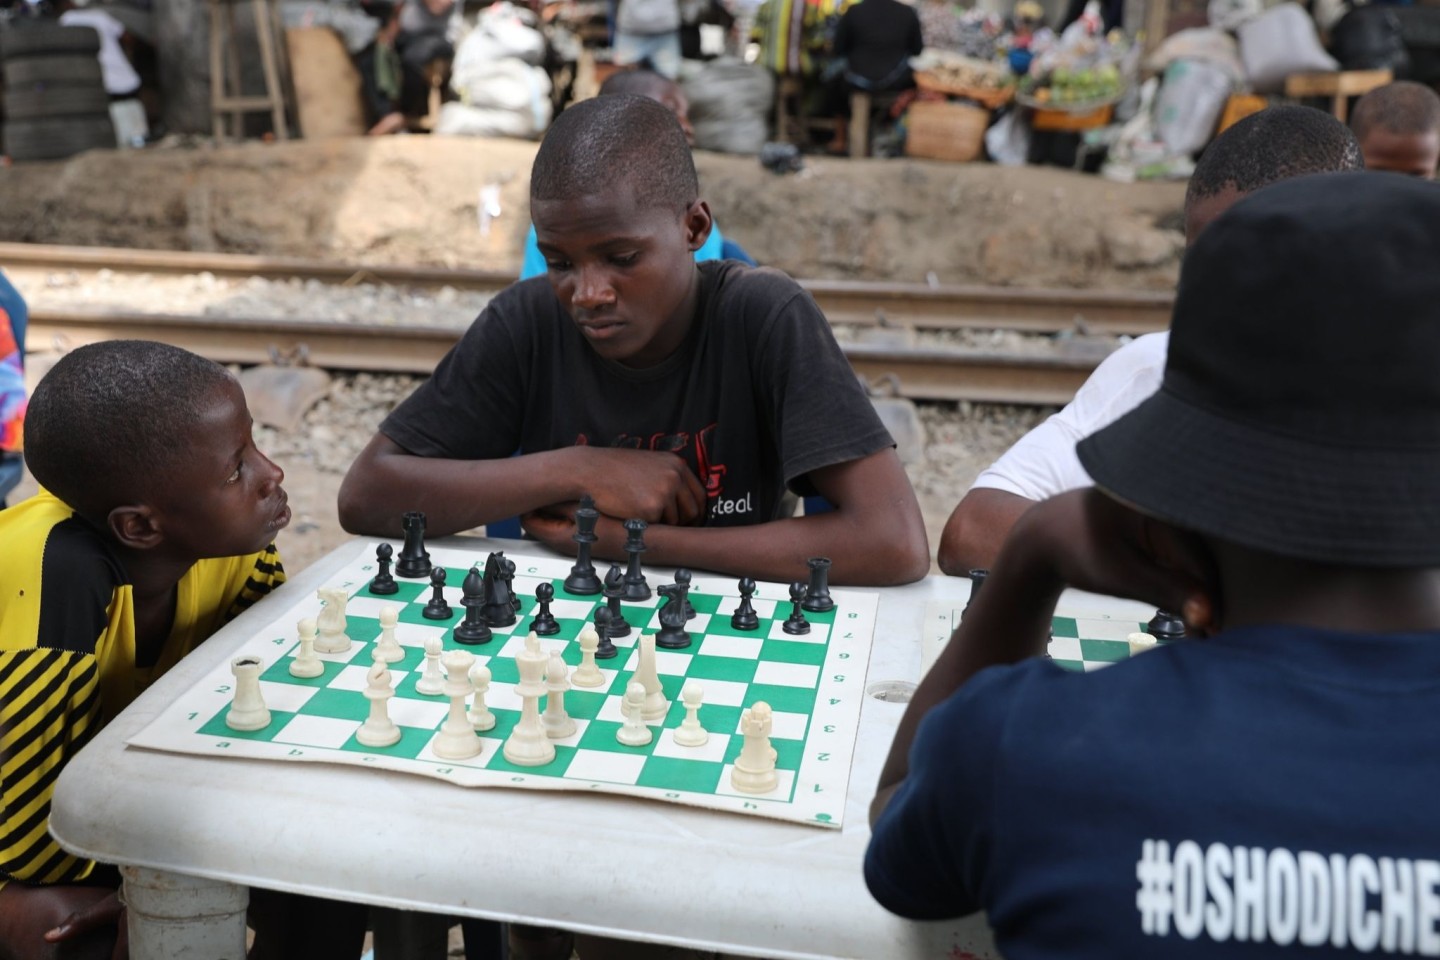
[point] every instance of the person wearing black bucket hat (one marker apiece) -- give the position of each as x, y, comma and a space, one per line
1269, 784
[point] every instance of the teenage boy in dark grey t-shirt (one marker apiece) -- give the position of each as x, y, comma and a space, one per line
696, 398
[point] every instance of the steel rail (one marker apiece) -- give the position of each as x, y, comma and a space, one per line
920, 374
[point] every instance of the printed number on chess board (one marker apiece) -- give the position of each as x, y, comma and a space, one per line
814, 684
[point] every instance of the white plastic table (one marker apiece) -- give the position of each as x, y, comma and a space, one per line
192, 833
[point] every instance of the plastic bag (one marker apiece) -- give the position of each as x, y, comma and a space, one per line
1189, 104
1230, 14
1199, 43
1278, 43
1008, 140
730, 106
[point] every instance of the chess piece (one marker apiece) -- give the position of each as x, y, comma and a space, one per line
672, 635
558, 723
378, 730
646, 674
247, 711
456, 739
636, 589
431, 683
614, 591
528, 746
634, 732
605, 650
387, 649
583, 581
473, 629
754, 769
332, 638
817, 594
588, 674
384, 584
306, 665
544, 623
480, 716
1140, 642
509, 577
414, 561
796, 625
498, 607
977, 580
744, 617
1165, 627
682, 580
690, 733
437, 608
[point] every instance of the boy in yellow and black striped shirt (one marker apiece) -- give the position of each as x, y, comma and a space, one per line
154, 527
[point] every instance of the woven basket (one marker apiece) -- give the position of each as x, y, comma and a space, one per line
985, 96
945, 131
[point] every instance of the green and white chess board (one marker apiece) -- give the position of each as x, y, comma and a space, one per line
814, 683
1080, 638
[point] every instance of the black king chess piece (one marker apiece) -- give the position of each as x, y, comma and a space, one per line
474, 629
796, 624
606, 650
817, 594
583, 580
384, 584
414, 560
744, 617
636, 589
437, 608
544, 624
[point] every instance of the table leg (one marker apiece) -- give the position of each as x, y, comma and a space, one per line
172, 916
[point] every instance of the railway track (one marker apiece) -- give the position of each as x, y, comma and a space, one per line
844, 302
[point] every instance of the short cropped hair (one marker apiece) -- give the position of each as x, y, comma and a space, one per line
109, 419
640, 83
1275, 144
1403, 107
606, 140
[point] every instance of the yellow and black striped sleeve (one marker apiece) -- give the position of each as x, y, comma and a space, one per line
264, 575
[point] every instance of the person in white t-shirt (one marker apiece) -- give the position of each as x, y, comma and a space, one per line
121, 80
1271, 145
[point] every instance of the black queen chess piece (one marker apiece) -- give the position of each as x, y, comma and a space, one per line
383, 585
414, 560
583, 580
473, 630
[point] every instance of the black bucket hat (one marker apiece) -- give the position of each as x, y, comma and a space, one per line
1300, 409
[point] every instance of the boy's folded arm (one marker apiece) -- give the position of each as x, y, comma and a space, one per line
977, 529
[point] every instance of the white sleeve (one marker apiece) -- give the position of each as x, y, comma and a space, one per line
1042, 463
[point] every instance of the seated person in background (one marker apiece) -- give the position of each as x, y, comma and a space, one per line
874, 42
12, 386
1269, 787
1398, 126
1271, 145
153, 528
382, 73
646, 83
699, 398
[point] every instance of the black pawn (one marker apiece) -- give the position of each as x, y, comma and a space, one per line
614, 590
437, 608
682, 580
583, 580
672, 634
606, 650
636, 589
796, 624
744, 617
414, 558
384, 584
474, 629
817, 594
977, 580
1165, 626
544, 623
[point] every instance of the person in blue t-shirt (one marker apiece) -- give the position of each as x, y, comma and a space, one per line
647, 83
1269, 783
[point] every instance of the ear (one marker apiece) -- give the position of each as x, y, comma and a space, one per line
698, 223
135, 527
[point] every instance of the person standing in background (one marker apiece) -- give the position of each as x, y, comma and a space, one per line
648, 31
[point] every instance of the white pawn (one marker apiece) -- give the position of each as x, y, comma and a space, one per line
456, 739
378, 730
387, 649
558, 723
333, 638
247, 711
754, 770
690, 733
306, 665
480, 716
634, 733
431, 683
588, 674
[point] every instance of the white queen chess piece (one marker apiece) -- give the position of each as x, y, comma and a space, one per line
456, 739
378, 730
306, 665
754, 770
333, 638
527, 745
247, 711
